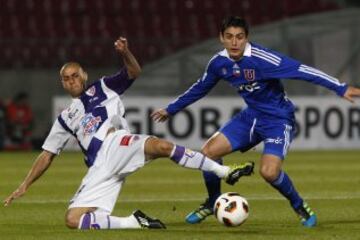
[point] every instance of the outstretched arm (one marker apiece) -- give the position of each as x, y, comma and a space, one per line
160, 115
131, 64
194, 93
288, 68
198, 90
123, 79
40, 165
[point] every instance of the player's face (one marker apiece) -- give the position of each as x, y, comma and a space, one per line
73, 80
234, 40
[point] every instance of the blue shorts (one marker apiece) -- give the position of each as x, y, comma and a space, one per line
248, 128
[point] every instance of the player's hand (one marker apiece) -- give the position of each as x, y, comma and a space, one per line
351, 92
160, 115
16, 194
121, 45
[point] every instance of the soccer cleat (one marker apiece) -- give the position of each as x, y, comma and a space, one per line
237, 171
307, 216
146, 221
200, 214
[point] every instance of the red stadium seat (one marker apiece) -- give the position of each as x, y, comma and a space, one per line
82, 29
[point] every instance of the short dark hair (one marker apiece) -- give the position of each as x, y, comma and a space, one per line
234, 21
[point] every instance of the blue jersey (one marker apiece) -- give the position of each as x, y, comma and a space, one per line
256, 78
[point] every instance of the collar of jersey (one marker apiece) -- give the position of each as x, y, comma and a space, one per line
247, 52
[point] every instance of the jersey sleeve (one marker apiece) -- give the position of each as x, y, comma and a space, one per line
198, 90
119, 82
56, 139
288, 68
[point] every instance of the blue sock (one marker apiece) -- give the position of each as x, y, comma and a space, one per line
213, 185
284, 185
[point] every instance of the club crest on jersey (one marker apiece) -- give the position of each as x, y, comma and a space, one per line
236, 70
91, 91
189, 153
90, 123
249, 74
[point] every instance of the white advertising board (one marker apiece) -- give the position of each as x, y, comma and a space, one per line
322, 122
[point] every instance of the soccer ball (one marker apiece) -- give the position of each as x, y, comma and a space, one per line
231, 209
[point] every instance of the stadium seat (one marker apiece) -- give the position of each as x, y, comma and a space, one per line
155, 27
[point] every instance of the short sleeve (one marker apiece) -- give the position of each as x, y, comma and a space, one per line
56, 139
119, 82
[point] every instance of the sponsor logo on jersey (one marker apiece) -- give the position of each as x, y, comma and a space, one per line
277, 140
250, 87
125, 140
91, 91
236, 70
90, 123
249, 74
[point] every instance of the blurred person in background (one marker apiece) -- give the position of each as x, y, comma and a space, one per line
19, 123
96, 119
255, 73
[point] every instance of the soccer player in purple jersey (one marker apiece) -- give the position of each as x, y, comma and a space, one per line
96, 119
255, 73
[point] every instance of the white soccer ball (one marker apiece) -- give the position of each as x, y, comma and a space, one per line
231, 209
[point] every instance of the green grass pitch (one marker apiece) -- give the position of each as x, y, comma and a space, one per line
328, 180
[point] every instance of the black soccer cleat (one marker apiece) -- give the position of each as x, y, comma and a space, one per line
148, 222
237, 171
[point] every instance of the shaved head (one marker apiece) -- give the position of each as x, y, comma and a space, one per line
74, 65
73, 78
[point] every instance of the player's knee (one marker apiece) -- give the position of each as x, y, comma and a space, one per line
155, 148
269, 173
72, 220
164, 147
209, 152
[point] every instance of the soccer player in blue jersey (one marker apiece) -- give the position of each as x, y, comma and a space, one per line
96, 119
255, 73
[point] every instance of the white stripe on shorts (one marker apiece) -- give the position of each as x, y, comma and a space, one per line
287, 138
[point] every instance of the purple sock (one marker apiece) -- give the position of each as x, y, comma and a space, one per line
86, 221
177, 153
